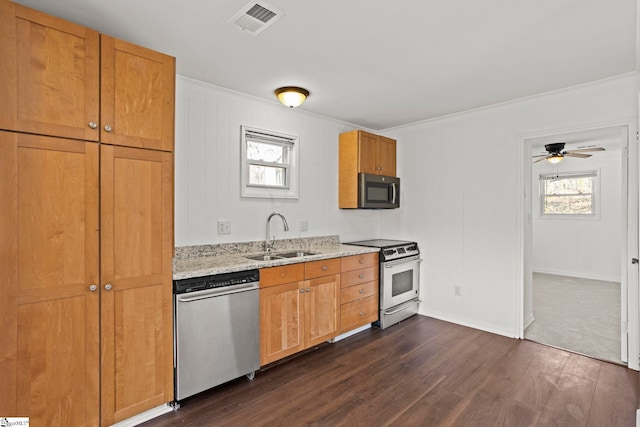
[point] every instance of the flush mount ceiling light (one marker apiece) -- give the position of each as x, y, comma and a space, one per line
291, 96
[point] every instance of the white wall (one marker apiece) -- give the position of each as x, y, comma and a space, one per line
207, 170
581, 247
460, 191
462, 201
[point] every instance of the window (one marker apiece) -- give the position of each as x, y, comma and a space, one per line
269, 164
568, 193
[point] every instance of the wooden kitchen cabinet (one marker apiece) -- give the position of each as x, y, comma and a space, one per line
299, 307
136, 189
49, 74
359, 291
322, 301
369, 153
63, 79
137, 94
361, 151
281, 312
94, 323
49, 354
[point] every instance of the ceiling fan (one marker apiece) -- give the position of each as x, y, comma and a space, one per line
555, 153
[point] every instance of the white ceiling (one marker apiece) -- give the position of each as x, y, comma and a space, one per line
380, 63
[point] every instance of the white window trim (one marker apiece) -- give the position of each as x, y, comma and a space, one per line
595, 173
290, 190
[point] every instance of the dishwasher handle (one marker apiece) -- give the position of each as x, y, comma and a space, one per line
218, 292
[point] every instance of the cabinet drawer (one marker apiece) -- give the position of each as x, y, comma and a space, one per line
355, 292
354, 277
356, 262
273, 276
324, 267
358, 313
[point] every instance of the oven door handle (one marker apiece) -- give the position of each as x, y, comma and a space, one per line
404, 306
395, 263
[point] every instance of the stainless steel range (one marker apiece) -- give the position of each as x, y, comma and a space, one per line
399, 279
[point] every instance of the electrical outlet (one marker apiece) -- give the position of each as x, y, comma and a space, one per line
304, 225
224, 227
457, 290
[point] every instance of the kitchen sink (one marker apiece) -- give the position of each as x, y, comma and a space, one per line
295, 254
263, 257
282, 255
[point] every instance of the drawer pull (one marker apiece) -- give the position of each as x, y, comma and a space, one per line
302, 291
325, 268
361, 276
361, 261
361, 291
362, 313
308, 289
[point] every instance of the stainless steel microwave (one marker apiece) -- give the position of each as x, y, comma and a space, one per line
378, 191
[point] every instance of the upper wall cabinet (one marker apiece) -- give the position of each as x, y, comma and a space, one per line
55, 74
362, 152
49, 71
137, 94
376, 154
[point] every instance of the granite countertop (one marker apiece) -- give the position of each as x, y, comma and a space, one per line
206, 260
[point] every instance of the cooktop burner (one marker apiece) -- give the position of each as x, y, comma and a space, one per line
390, 249
380, 243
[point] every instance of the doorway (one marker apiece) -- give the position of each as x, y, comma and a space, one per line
575, 292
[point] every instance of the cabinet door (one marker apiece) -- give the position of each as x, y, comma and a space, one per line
367, 151
136, 252
49, 365
386, 156
49, 74
137, 96
322, 309
281, 321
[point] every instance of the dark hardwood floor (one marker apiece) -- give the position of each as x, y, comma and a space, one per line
422, 372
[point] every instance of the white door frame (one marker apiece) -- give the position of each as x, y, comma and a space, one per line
629, 276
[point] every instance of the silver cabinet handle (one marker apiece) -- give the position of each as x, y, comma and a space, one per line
361, 291
93, 125
302, 291
361, 261
361, 276
308, 290
324, 267
108, 286
108, 128
93, 288
362, 313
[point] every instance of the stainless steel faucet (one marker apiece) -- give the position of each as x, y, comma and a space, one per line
268, 243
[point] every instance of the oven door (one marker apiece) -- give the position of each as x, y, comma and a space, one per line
399, 281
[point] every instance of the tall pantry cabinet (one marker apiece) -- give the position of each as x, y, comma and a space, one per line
86, 223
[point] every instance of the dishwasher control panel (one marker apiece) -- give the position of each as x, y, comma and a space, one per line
195, 284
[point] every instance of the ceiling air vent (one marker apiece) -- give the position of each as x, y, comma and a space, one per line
256, 17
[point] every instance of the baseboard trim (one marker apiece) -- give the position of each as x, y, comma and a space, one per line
469, 323
352, 332
528, 321
144, 416
577, 275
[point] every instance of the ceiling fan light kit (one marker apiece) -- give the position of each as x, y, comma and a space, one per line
554, 158
291, 96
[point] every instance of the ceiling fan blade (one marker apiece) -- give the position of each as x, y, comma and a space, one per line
539, 160
579, 155
540, 155
579, 150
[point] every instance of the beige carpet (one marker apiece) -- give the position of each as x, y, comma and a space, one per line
580, 315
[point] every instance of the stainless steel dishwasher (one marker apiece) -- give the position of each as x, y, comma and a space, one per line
217, 330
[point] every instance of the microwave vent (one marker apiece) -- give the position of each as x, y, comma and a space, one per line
255, 17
